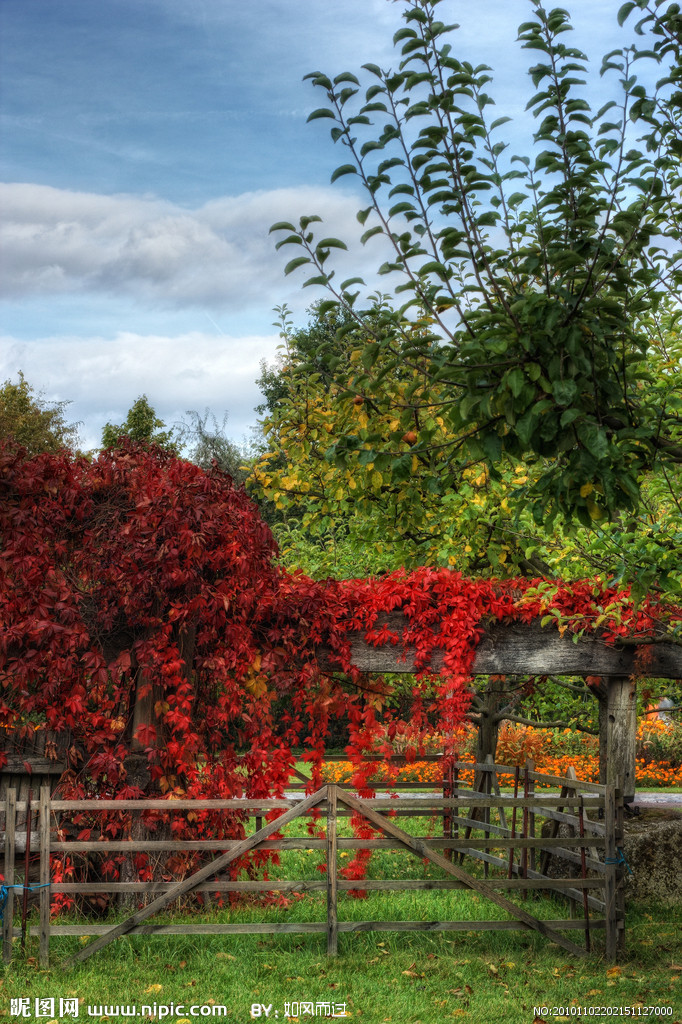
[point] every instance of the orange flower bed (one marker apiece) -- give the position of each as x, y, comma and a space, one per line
649, 776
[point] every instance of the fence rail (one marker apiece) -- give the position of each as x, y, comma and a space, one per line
515, 840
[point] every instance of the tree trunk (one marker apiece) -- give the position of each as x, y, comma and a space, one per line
137, 774
493, 698
620, 714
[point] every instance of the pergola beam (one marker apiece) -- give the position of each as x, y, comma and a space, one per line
520, 649
527, 649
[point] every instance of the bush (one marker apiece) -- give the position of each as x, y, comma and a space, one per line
660, 741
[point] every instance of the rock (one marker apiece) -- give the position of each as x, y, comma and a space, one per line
653, 849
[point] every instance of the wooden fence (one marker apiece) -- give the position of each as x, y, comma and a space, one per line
513, 836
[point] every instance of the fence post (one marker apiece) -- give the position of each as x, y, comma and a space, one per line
332, 916
530, 768
44, 832
611, 873
8, 912
620, 874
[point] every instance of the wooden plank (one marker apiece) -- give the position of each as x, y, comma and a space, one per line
199, 876
570, 893
172, 805
595, 827
44, 830
318, 885
10, 877
313, 927
518, 649
332, 887
472, 799
580, 784
16, 765
458, 926
562, 845
423, 850
20, 840
253, 928
551, 800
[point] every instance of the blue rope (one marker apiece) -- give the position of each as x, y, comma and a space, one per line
4, 893
620, 859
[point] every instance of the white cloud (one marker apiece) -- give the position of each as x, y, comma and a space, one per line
220, 255
102, 377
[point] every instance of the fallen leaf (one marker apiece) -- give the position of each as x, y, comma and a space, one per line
614, 972
153, 988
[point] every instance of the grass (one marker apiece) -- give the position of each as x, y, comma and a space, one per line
404, 978
378, 976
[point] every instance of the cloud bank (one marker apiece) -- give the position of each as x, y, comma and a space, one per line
220, 255
102, 377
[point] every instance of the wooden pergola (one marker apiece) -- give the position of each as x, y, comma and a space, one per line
522, 650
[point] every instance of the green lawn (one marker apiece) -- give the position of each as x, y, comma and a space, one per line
380, 977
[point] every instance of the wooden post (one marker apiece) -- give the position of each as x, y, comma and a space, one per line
621, 733
611, 873
332, 916
530, 768
44, 833
487, 789
448, 832
513, 825
10, 822
620, 876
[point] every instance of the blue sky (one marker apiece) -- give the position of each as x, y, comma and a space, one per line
147, 146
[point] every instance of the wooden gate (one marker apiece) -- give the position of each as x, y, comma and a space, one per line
338, 803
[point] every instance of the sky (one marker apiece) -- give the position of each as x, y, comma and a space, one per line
148, 146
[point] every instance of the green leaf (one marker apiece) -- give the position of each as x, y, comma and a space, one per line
625, 12
321, 112
564, 391
332, 243
298, 262
282, 225
366, 235
305, 221
596, 441
344, 169
346, 76
515, 381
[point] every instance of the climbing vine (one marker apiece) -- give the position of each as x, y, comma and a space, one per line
144, 616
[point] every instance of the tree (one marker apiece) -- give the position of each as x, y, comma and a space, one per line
36, 425
387, 511
142, 426
535, 287
206, 442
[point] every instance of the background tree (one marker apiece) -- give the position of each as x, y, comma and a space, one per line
383, 511
535, 287
142, 426
532, 377
36, 425
205, 441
